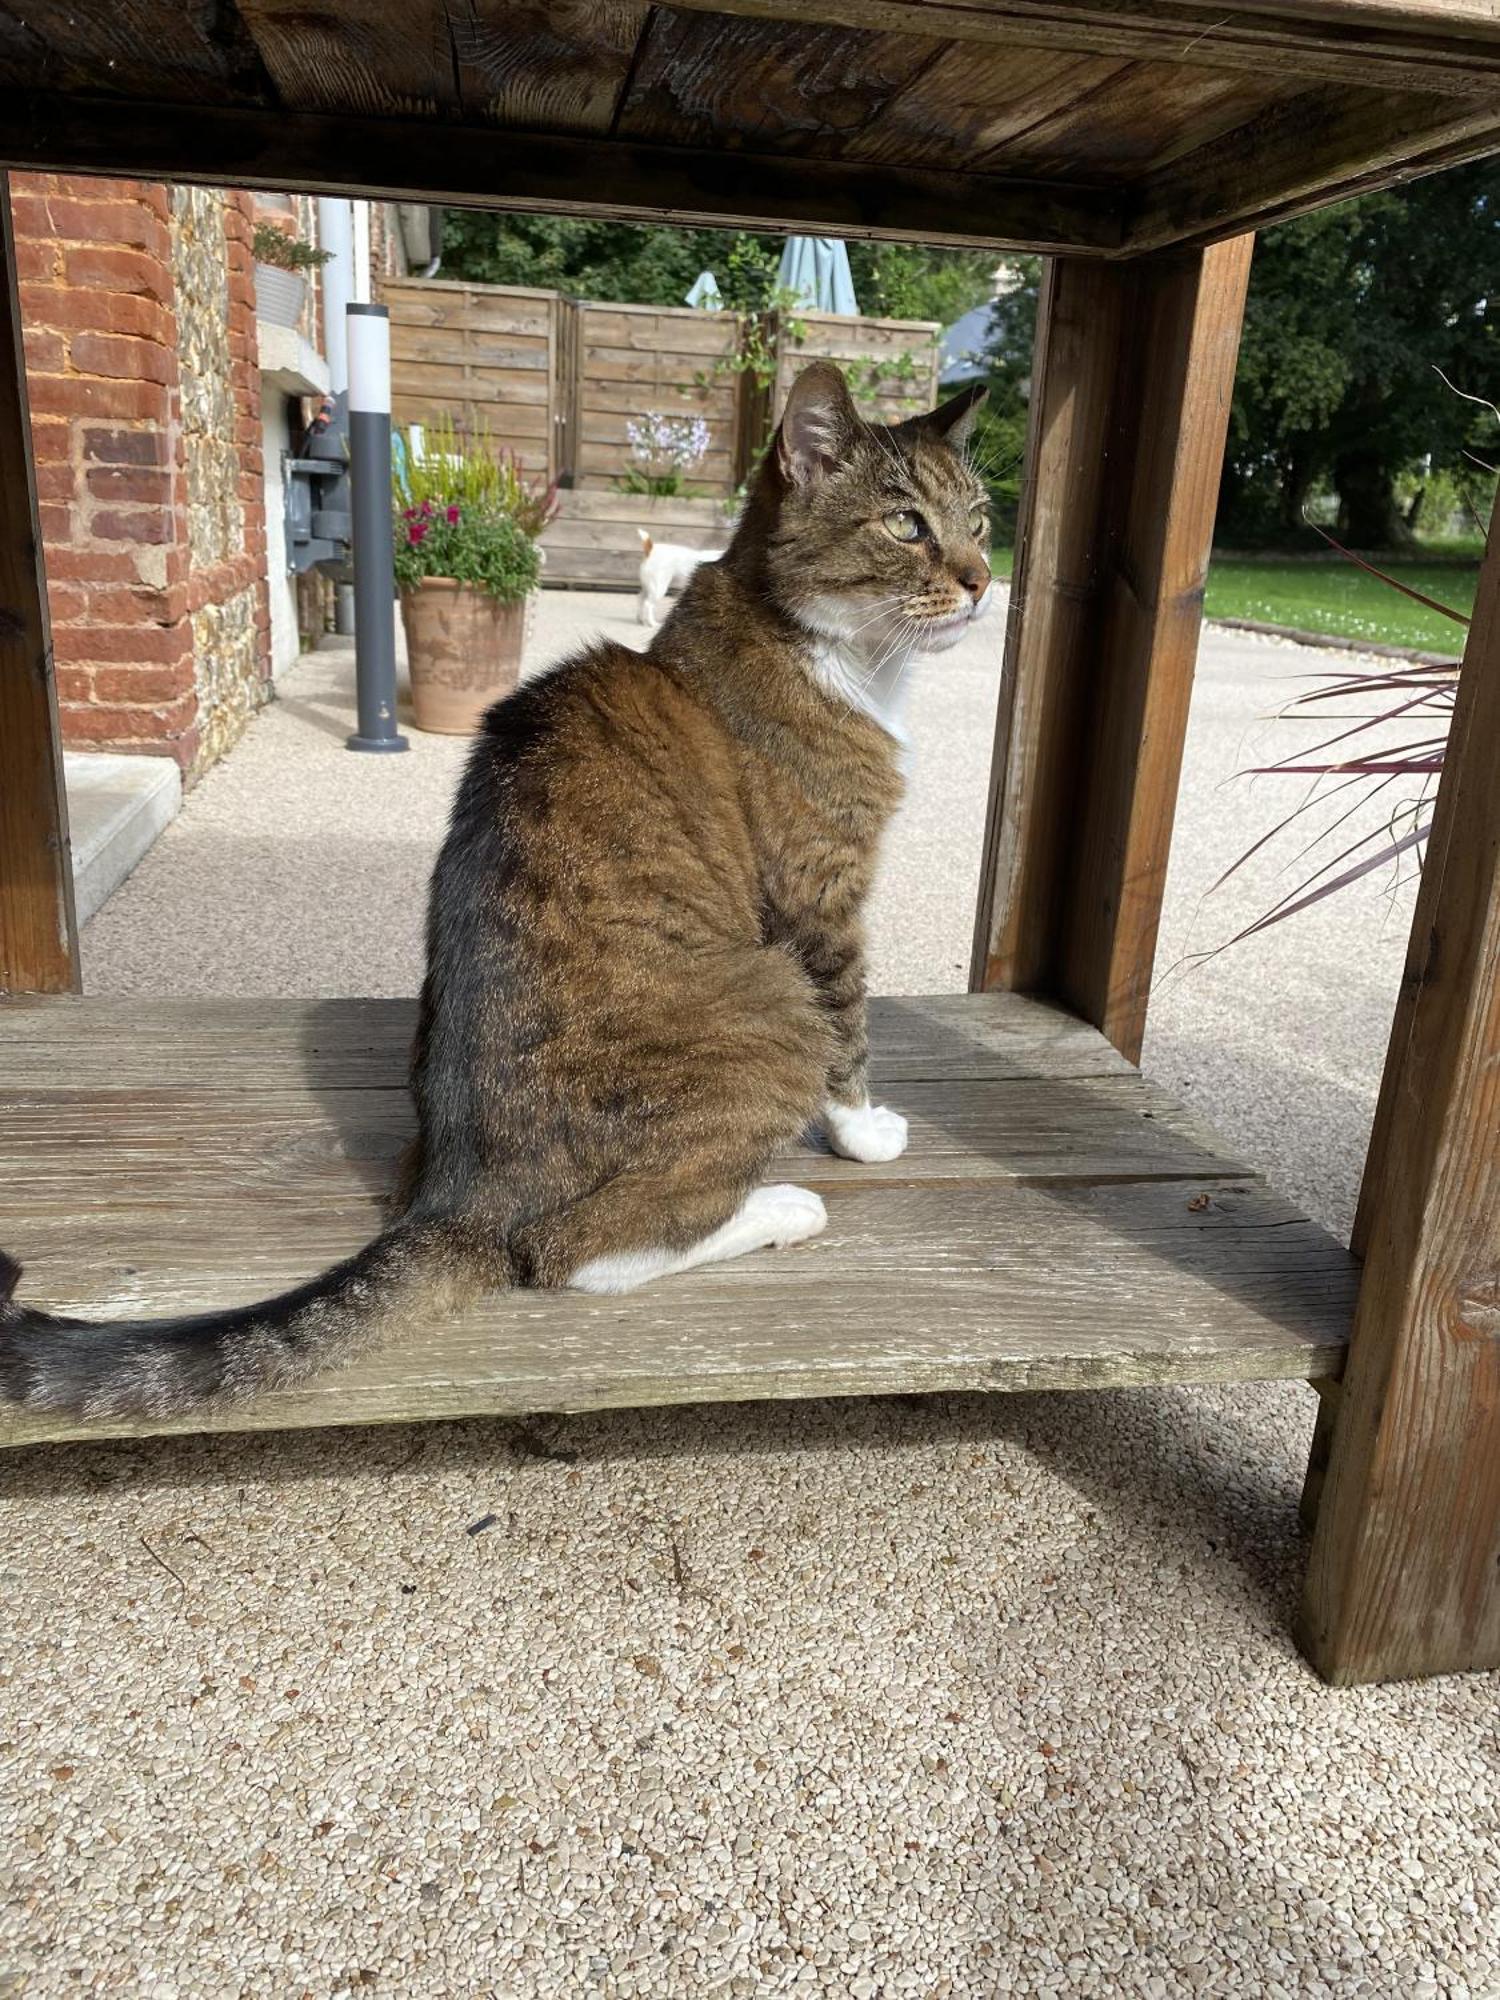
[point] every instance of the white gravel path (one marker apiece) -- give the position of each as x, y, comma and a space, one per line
954, 1696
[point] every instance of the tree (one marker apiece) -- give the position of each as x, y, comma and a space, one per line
640, 265
1351, 314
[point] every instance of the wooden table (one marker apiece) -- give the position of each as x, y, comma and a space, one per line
1056, 1221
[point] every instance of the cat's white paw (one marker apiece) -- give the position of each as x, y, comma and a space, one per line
867, 1132
786, 1214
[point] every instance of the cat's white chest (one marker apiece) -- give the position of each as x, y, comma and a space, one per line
876, 689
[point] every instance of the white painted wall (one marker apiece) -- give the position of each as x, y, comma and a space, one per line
275, 439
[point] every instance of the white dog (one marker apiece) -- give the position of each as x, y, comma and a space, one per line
665, 567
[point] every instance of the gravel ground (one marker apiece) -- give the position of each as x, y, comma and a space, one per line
950, 1696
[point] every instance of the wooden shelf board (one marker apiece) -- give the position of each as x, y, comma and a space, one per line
1057, 1222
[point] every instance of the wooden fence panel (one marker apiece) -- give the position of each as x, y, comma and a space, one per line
892, 363
486, 355
636, 359
558, 380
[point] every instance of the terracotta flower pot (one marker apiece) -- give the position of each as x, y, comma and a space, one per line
463, 650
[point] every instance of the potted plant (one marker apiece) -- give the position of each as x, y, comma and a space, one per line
467, 568
281, 262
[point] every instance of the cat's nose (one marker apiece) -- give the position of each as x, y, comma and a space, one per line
975, 578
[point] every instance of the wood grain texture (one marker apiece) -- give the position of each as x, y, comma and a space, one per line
1052, 125
1130, 406
480, 354
38, 935
973, 98
706, 79
167, 1147
1405, 1571
131, 47
559, 66
1303, 151
1446, 46
412, 158
366, 56
318, 1045
1175, 384
1054, 588
1055, 1224
1123, 124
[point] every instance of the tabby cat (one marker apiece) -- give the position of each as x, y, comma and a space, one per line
645, 963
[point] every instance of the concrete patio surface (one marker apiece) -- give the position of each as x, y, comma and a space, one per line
955, 1696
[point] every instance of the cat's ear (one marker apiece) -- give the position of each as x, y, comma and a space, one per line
954, 419
818, 426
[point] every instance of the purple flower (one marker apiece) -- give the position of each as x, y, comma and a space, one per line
657, 440
416, 532
452, 515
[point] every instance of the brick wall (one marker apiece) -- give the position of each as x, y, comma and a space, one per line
139, 308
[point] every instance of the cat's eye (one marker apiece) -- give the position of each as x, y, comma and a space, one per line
905, 526
976, 523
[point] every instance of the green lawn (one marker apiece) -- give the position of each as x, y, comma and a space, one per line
1334, 596
1328, 594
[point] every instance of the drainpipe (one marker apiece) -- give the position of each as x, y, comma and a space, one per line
336, 233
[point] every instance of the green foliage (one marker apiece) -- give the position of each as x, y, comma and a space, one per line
911, 281
618, 261
1351, 314
477, 545
271, 245
998, 440
464, 512
470, 472
755, 353
638, 265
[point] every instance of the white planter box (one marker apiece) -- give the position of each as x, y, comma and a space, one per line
279, 295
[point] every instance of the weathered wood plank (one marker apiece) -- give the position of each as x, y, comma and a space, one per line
1054, 584
972, 99
1318, 146
133, 46
64, 1152
1129, 410
401, 158
38, 935
1123, 124
367, 56
910, 1289
1405, 1571
558, 67
1447, 46
1179, 360
320, 1045
170, 1155
699, 78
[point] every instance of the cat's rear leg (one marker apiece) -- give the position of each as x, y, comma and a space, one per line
770, 1218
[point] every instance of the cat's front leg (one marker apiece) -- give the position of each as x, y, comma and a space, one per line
856, 1128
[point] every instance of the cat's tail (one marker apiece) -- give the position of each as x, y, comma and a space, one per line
409, 1276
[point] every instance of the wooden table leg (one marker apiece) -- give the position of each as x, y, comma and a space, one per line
1129, 411
38, 935
1404, 1576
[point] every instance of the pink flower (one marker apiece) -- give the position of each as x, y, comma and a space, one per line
426, 507
416, 532
452, 514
